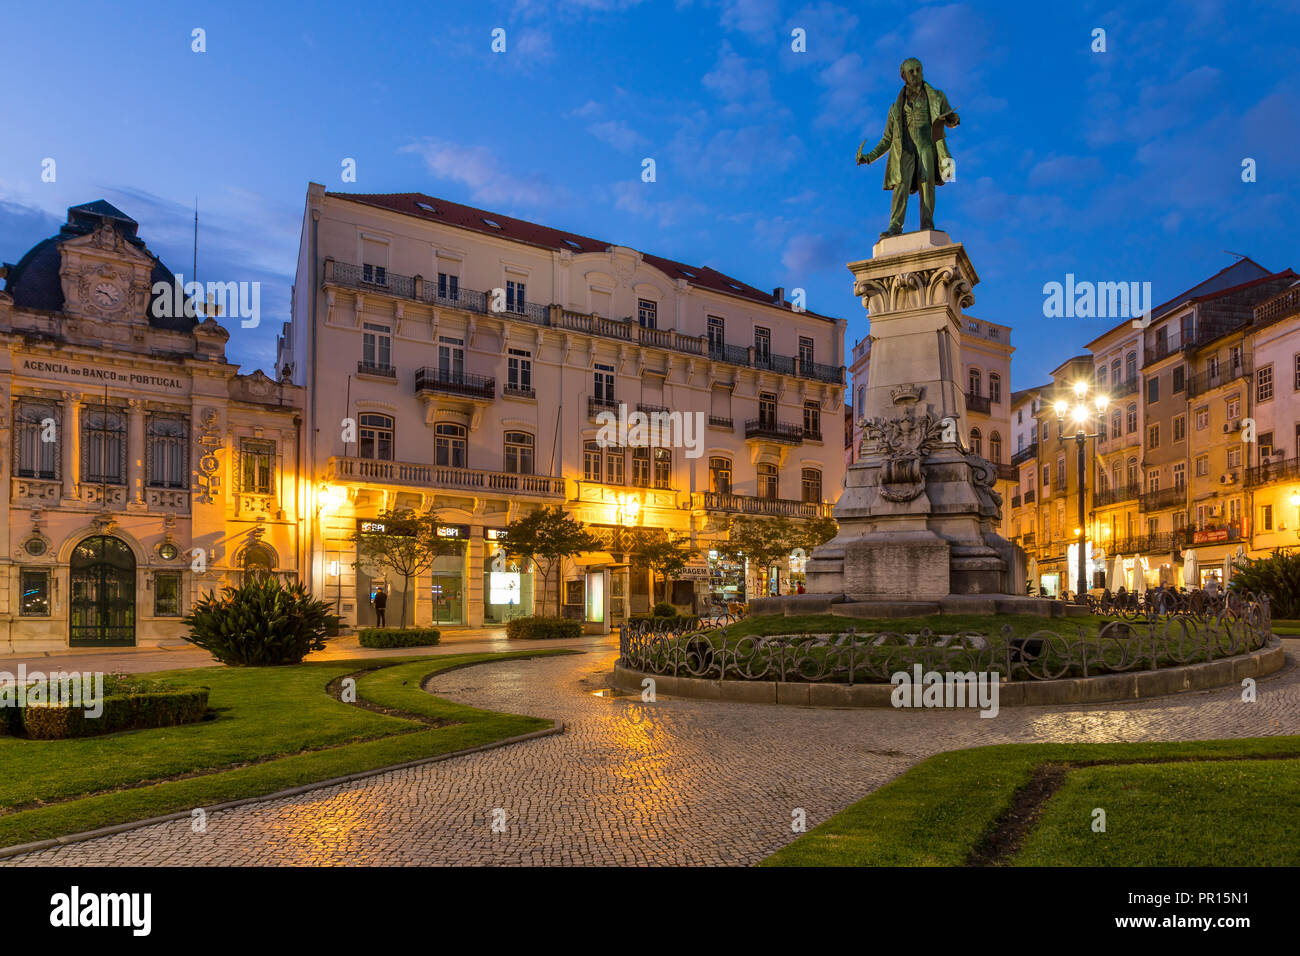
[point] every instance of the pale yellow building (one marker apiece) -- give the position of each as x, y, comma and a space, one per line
460, 361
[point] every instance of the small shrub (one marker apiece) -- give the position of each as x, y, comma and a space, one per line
543, 628
128, 704
260, 623
399, 637
1277, 575
663, 609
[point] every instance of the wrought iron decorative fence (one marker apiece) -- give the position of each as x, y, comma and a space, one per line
1237, 624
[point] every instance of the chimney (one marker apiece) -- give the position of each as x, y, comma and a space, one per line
778, 295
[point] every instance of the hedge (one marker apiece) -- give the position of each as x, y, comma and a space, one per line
399, 637
136, 706
543, 628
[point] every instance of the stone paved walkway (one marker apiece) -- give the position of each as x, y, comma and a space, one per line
674, 782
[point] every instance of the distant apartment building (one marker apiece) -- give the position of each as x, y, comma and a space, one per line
1189, 467
476, 357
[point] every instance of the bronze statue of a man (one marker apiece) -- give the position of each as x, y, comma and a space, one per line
918, 153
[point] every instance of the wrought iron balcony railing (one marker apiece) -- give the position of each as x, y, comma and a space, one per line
597, 405
753, 505
720, 422
455, 383
370, 368
1030, 495
774, 431
413, 474
978, 403
1269, 472
1026, 453
1116, 494
625, 330
1162, 499
1211, 379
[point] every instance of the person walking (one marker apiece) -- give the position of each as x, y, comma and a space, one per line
380, 602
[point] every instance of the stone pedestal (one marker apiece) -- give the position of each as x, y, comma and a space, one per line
918, 516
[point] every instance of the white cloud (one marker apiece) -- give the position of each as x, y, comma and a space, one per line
478, 168
733, 80
618, 134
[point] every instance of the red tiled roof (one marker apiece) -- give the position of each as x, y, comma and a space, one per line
455, 214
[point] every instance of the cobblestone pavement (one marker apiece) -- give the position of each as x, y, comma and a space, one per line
673, 782
174, 656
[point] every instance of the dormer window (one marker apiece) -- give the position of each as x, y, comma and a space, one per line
425, 206
493, 223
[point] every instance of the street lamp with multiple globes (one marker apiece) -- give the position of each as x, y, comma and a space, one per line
1079, 414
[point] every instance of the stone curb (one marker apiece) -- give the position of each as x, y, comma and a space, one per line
557, 727
1137, 685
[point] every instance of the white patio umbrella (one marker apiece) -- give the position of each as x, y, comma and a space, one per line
1033, 573
1191, 568
1140, 576
1116, 574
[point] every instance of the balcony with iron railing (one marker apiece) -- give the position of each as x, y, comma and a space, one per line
1015, 501
1210, 379
414, 475
596, 406
1026, 453
1162, 499
1007, 472
379, 371
455, 383
349, 276
1159, 346
1271, 471
1030, 495
1281, 304
755, 505
1116, 494
1027, 541
1148, 543
1122, 389
978, 403
768, 430
717, 421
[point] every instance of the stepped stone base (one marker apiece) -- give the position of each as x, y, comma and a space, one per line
841, 605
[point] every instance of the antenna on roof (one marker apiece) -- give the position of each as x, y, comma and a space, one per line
1237, 254
194, 272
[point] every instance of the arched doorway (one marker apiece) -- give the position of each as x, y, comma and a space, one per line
256, 563
102, 572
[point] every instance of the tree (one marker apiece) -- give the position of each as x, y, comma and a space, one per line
665, 556
405, 542
550, 535
766, 541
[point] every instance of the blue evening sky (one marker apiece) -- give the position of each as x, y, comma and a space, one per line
1123, 165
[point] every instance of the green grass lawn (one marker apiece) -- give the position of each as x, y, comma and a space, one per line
1226, 812
274, 727
1286, 628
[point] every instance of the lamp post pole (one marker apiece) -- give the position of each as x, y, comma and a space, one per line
1080, 414
1081, 441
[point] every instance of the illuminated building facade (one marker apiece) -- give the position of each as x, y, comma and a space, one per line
460, 361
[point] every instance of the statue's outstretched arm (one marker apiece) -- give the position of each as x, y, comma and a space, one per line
881, 148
